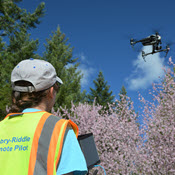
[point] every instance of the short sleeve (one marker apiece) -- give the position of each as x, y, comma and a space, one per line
72, 158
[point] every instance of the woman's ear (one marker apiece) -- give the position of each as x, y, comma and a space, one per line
51, 92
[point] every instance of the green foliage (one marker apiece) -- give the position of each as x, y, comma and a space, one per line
15, 43
123, 95
59, 54
13, 18
123, 92
101, 92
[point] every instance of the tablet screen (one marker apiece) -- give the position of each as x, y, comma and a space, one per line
89, 149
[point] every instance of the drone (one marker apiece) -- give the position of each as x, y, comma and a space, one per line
153, 40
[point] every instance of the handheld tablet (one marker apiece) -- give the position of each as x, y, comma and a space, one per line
89, 150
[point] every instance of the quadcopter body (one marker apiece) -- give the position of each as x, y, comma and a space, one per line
153, 40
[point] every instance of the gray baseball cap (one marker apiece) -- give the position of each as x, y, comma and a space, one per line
40, 73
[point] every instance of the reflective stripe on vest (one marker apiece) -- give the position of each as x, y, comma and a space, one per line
47, 144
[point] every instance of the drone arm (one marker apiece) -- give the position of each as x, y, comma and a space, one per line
133, 42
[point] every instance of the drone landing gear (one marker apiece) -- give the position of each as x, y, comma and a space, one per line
143, 55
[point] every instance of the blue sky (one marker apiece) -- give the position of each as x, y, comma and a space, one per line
100, 30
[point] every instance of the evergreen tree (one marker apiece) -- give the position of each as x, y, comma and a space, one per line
124, 101
123, 92
15, 43
101, 92
59, 54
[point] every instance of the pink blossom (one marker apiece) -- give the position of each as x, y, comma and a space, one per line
124, 146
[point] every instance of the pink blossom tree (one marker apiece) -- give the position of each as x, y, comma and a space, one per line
117, 135
125, 147
159, 117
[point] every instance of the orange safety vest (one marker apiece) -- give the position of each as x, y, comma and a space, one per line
33, 142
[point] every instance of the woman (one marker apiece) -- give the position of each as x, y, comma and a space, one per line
33, 141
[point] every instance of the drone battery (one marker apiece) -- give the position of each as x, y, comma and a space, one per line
89, 150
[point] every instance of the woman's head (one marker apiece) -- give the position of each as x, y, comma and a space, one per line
34, 84
23, 100
41, 74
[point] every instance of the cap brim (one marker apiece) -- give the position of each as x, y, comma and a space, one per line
59, 80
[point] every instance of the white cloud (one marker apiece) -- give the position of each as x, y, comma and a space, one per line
145, 73
87, 72
82, 57
86, 69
